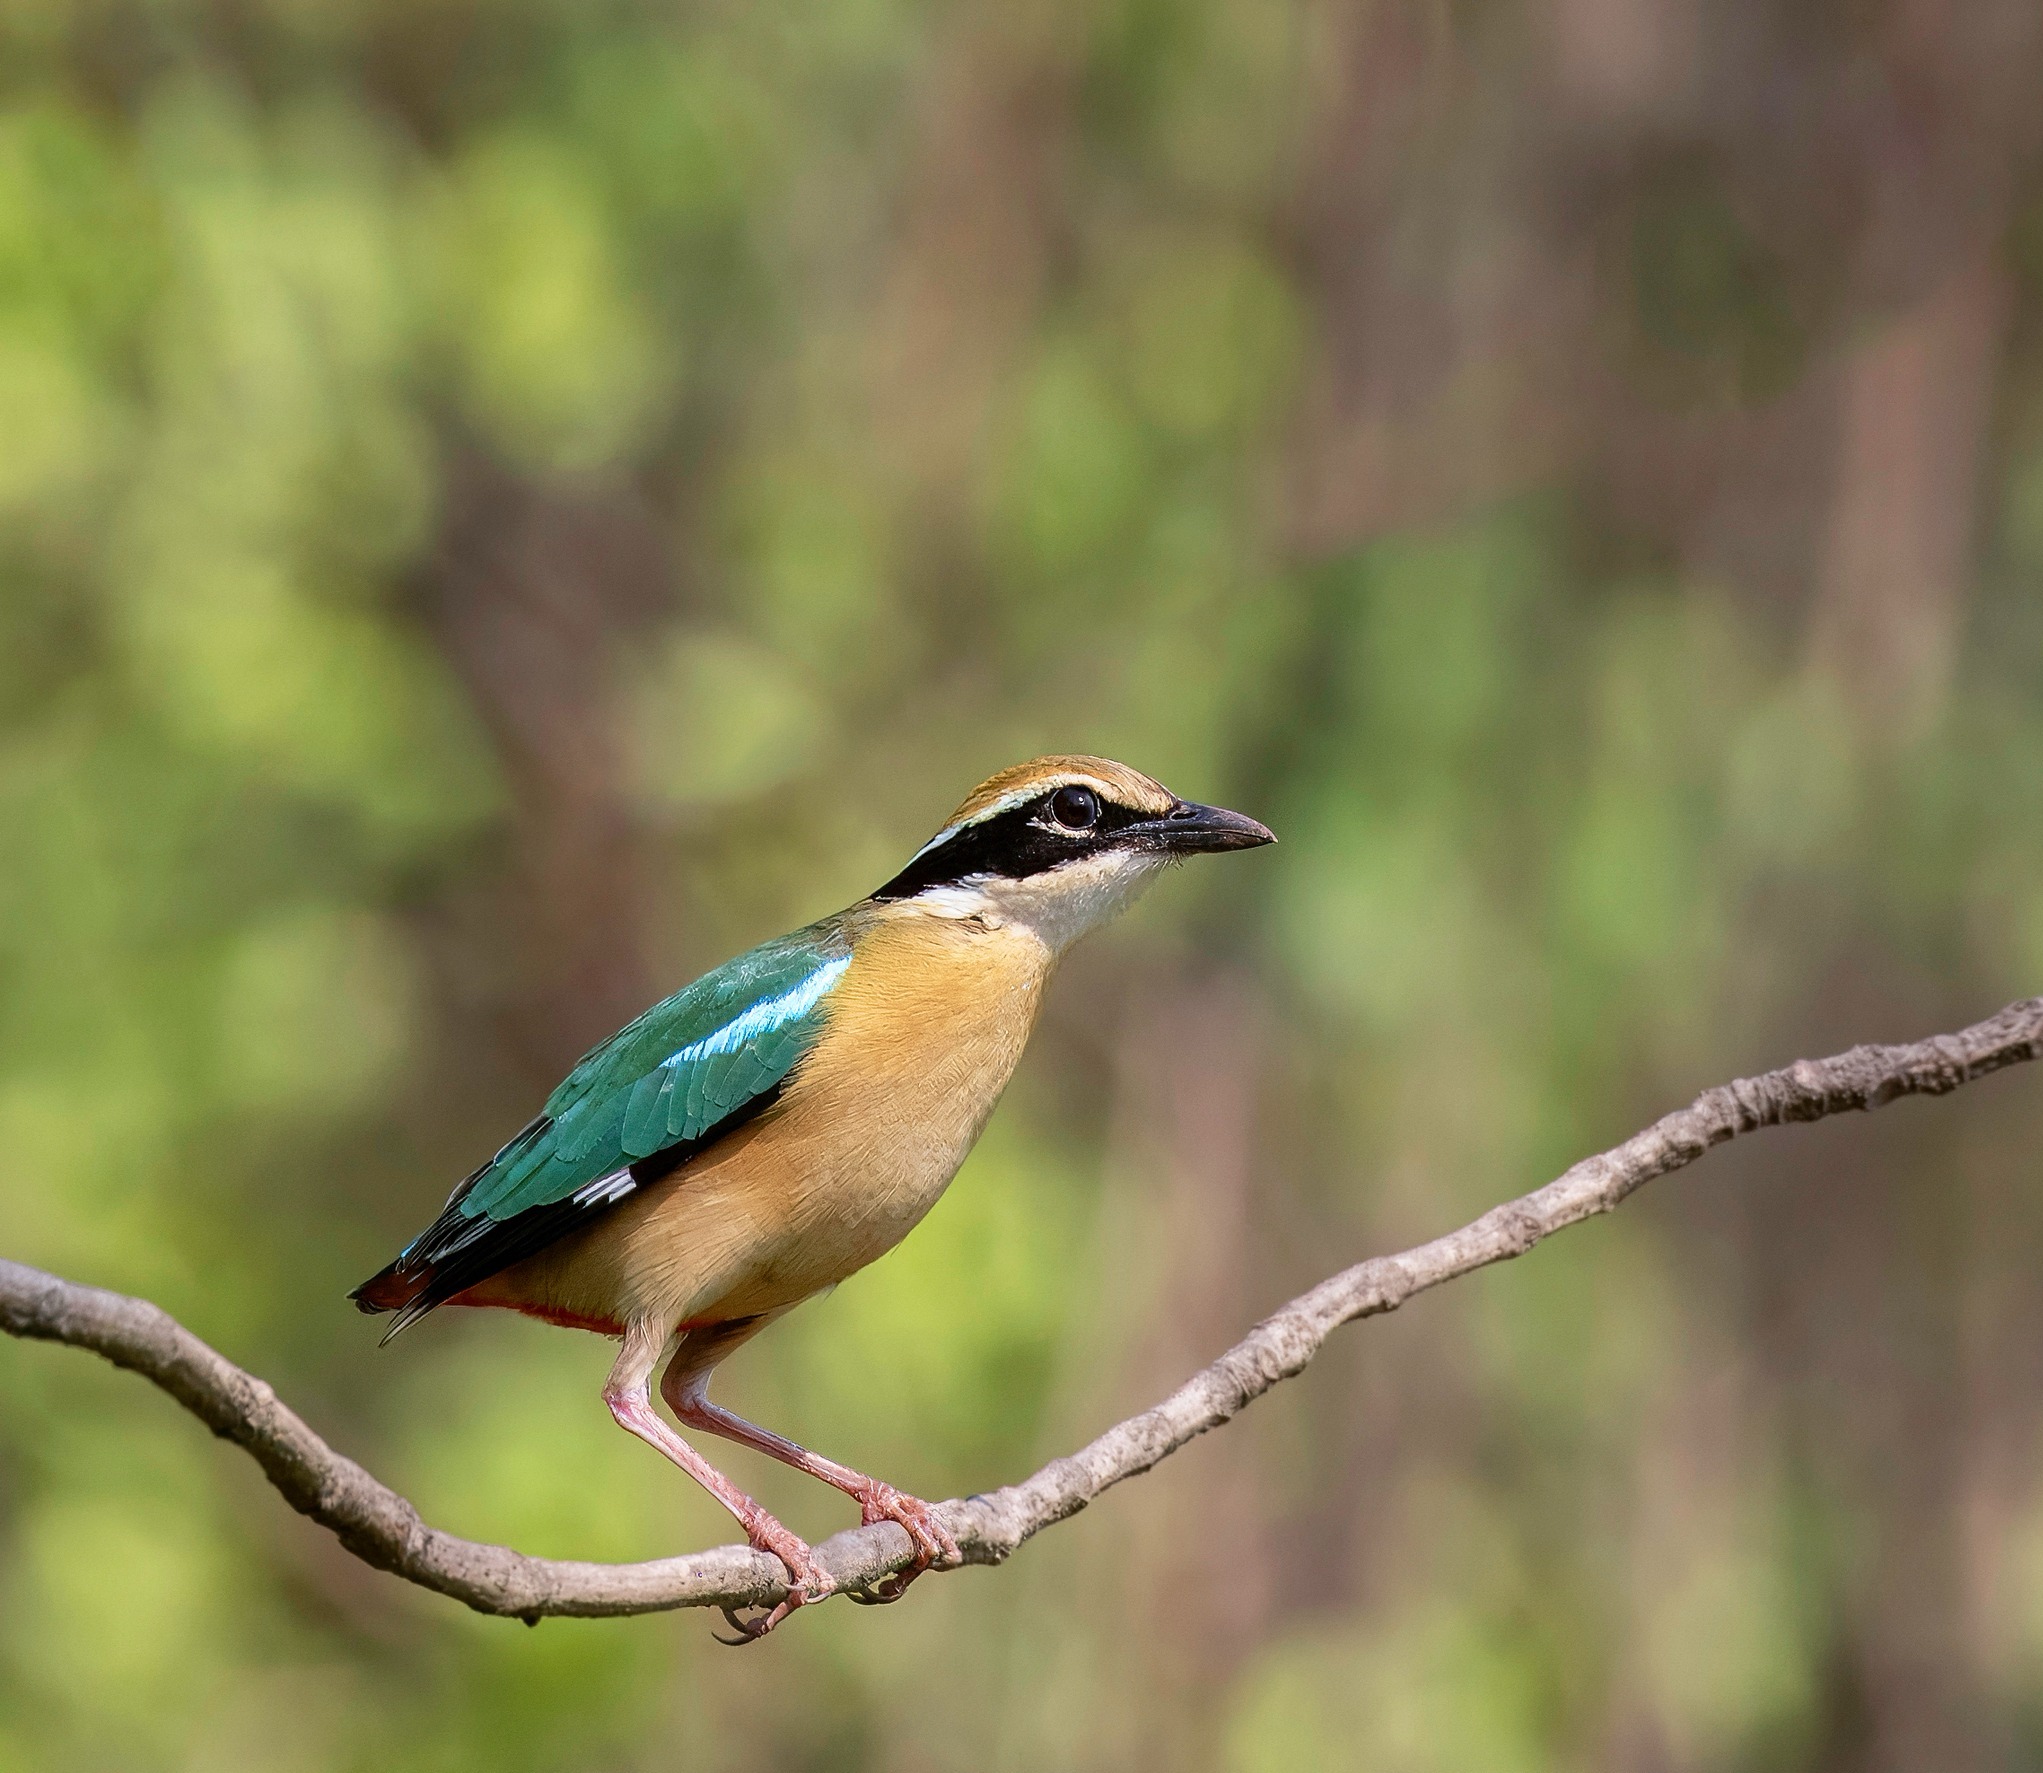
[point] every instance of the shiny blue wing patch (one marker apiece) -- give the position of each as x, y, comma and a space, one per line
672, 1077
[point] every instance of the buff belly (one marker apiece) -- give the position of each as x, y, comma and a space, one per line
924, 1032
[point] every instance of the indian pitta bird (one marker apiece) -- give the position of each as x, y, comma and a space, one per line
789, 1117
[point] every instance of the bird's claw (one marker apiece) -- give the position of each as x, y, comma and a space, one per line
807, 1581
934, 1546
883, 1592
748, 1628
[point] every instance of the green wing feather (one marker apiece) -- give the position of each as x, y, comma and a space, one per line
705, 1059
679, 1070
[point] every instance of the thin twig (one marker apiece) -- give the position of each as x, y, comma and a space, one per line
382, 1528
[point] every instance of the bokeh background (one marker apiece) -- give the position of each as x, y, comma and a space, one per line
504, 503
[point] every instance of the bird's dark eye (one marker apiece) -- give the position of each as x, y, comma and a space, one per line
1075, 808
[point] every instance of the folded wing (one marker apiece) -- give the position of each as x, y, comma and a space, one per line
684, 1075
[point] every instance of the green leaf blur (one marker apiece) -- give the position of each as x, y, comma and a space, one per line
504, 504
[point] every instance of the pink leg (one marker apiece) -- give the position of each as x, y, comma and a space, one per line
685, 1386
626, 1392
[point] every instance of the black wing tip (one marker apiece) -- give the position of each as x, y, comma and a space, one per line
456, 1252
407, 1315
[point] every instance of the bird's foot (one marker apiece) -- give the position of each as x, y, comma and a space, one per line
934, 1546
807, 1580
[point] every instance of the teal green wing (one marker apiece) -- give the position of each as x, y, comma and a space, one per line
681, 1076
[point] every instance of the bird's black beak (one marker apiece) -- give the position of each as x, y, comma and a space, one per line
1190, 829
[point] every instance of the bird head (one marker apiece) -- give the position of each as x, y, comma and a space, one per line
1059, 845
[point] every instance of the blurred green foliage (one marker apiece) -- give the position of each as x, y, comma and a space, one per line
503, 503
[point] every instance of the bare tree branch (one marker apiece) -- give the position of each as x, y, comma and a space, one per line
382, 1528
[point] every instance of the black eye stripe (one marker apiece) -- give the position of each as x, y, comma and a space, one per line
1014, 844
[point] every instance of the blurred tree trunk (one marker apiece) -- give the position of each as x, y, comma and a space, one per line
536, 591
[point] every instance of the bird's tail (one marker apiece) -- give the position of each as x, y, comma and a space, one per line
392, 1290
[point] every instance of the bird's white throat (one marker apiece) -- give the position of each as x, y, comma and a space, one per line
1058, 905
